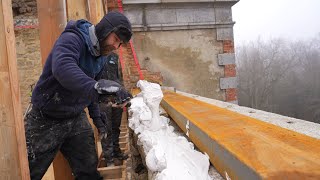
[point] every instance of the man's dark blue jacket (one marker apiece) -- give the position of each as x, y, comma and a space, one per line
66, 85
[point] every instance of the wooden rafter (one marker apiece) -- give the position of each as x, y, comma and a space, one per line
12, 134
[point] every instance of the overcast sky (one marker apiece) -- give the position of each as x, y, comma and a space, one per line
294, 19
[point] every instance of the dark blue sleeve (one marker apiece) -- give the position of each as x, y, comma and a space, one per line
94, 112
65, 55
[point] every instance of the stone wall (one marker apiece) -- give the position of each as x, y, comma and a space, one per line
24, 7
29, 61
27, 46
187, 59
189, 42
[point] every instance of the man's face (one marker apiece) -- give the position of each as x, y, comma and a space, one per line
112, 42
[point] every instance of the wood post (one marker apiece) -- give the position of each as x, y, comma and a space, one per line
77, 9
52, 21
13, 153
96, 10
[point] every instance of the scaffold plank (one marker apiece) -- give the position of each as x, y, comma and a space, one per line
242, 147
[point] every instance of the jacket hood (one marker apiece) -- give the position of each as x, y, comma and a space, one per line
86, 30
111, 21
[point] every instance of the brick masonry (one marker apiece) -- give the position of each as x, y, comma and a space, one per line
230, 71
130, 70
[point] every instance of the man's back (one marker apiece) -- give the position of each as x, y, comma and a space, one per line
65, 88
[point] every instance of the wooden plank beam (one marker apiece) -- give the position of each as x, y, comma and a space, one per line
112, 172
100, 10
13, 156
92, 5
241, 147
77, 9
52, 21
96, 10
49, 174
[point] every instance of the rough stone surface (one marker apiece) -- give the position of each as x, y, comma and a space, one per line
22, 21
225, 34
227, 83
226, 58
173, 13
26, 7
186, 59
223, 14
138, 164
28, 60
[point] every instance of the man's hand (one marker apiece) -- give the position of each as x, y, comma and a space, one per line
112, 91
123, 96
107, 87
102, 133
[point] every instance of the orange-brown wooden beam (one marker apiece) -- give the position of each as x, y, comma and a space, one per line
13, 153
52, 21
77, 9
242, 147
96, 10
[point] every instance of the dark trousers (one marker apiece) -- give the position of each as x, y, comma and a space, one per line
110, 145
73, 137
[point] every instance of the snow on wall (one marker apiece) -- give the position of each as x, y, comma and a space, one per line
168, 155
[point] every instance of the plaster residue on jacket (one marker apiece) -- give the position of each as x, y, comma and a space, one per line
168, 155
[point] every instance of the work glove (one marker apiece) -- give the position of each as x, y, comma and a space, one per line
102, 133
108, 88
123, 96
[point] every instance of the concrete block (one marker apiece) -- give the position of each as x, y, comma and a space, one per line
168, 88
204, 15
224, 34
234, 102
134, 16
165, 1
226, 58
185, 15
186, 1
161, 16
227, 83
140, 1
153, 6
190, 6
223, 14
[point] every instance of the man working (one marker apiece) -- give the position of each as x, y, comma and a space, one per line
111, 115
65, 88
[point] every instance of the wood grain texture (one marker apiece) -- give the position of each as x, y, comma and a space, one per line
61, 168
92, 5
244, 147
52, 20
13, 145
96, 11
49, 174
77, 9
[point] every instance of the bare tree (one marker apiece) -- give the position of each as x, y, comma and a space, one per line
261, 65
281, 76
